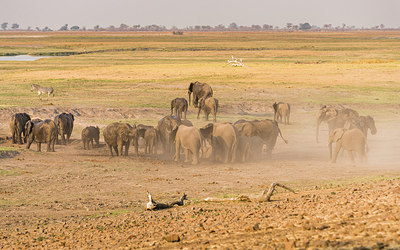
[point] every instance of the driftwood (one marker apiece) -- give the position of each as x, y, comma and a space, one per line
265, 195
153, 205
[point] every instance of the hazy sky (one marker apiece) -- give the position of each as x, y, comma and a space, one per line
182, 13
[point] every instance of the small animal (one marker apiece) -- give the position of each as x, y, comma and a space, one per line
41, 90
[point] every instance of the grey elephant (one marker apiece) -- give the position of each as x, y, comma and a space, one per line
364, 123
179, 106
65, 125
17, 127
208, 105
190, 139
335, 118
117, 135
199, 90
267, 130
41, 132
281, 111
352, 140
224, 139
167, 127
89, 134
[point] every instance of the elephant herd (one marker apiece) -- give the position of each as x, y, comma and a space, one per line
347, 129
240, 141
25, 130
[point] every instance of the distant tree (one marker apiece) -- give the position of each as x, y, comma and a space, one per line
304, 26
75, 27
46, 29
111, 27
220, 27
382, 26
65, 27
255, 27
4, 26
29, 28
14, 26
267, 27
123, 26
37, 28
84, 28
233, 26
96, 27
289, 26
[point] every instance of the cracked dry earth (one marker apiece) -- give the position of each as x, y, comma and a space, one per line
344, 216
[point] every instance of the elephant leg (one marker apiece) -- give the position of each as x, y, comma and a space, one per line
207, 114
177, 151
116, 150
48, 145
111, 150
63, 139
198, 113
127, 148
336, 152
350, 152
215, 116
52, 144
187, 155
84, 143
184, 115
39, 147
195, 156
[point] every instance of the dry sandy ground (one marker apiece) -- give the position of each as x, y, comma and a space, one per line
79, 199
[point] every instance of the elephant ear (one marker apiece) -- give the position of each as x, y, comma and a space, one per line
191, 87
28, 127
207, 130
338, 134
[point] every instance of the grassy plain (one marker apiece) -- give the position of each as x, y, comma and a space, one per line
149, 69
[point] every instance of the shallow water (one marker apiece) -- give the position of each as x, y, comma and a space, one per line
21, 58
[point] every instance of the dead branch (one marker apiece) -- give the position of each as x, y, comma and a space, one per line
265, 195
153, 205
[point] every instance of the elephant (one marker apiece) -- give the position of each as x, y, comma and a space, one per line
199, 90
224, 139
190, 139
352, 140
336, 118
116, 135
17, 127
363, 123
179, 106
41, 132
267, 130
167, 127
89, 134
150, 136
281, 110
256, 148
65, 125
208, 105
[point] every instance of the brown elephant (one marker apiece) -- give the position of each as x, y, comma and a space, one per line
256, 148
150, 136
65, 125
352, 140
281, 110
17, 127
190, 139
363, 123
335, 118
42, 132
199, 90
224, 139
179, 106
89, 134
167, 127
117, 135
208, 105
267, 130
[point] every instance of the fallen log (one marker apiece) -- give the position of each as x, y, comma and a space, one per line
265, 195
153, 205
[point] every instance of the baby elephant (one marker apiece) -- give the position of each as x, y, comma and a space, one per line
89, 134
281, 110
208, 105
179, 106
352, 140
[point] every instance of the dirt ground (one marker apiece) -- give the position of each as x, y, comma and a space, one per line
85, 199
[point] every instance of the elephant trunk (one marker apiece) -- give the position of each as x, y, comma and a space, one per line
319, 120
189, 94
